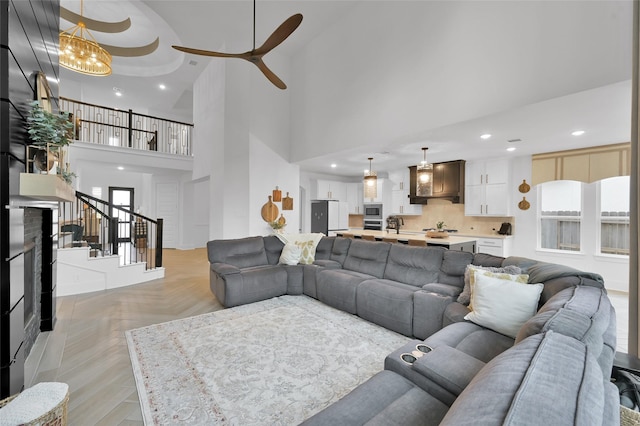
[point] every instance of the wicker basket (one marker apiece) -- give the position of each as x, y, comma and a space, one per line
57, 416
629, 417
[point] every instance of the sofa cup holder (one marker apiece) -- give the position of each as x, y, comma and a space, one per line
420, 350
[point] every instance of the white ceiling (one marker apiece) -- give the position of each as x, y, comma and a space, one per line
603, 112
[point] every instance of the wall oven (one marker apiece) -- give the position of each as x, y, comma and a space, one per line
373, 224
373, 211
373, 217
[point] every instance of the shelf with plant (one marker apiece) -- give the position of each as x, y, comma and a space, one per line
49, 135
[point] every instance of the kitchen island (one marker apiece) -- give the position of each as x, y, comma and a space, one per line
451, 242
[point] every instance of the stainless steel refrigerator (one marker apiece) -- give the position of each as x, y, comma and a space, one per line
328, 216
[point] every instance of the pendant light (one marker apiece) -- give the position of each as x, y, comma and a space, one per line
370, 182
424, 177
80, 52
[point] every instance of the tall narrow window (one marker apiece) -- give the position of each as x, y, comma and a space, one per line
614, 216
560, 215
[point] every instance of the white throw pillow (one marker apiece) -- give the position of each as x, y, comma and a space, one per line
291, 253
503, 305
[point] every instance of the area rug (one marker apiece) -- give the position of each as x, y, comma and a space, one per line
275, 362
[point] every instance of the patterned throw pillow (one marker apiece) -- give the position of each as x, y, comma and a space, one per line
308, 251
465, 296
521, 279
291, 254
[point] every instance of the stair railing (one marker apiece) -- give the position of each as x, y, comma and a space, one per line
109, 229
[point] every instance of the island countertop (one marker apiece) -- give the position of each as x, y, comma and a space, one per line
405, 237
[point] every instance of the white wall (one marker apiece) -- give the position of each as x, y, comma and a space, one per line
404, 70
267, 171
241, 144
614, 269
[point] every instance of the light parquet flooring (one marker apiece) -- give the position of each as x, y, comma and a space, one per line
88, 349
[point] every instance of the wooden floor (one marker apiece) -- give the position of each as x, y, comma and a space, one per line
88, 350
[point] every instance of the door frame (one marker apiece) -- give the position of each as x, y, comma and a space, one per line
131, 206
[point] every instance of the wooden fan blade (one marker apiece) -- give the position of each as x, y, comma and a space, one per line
280, 34
244, 55
269, 74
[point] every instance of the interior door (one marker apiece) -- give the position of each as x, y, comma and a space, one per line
122, 197
167, 197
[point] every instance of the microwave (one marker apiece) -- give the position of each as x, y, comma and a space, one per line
373, 211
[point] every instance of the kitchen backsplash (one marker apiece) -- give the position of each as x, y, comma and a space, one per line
451, 214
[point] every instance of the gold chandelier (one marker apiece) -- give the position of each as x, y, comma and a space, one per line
82, 53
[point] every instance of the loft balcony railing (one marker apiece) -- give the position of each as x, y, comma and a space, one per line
108, 229
109, 126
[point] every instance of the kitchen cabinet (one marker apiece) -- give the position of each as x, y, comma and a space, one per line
448, 182
494, 246
399, 180
331, 190
400, 185
355, 198
487, 188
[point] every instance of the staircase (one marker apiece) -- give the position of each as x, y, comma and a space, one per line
104, 246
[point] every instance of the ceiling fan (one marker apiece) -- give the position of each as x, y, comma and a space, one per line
255, 55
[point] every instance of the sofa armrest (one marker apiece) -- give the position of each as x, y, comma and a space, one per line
223, 269
448, 367
428, 312
443, 289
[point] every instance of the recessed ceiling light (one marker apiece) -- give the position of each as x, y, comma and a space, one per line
120, 168
511, 148
485, 136
334, 165
162, 86
577, 133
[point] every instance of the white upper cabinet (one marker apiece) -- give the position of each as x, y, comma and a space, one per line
400, 204
399, 180
487, 172
355, 197
487, 188
331, 190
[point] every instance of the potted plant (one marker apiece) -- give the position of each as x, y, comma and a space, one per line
49, 133
439, 232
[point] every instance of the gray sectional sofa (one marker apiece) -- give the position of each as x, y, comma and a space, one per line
555, 371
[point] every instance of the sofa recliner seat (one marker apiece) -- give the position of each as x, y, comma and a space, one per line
337, 287
509, 390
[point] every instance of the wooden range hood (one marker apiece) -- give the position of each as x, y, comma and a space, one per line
448, 182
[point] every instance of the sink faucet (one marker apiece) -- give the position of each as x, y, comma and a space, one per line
396, 221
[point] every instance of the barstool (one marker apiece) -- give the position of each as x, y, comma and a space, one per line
390, 240
418, 243
369, 237
347, 235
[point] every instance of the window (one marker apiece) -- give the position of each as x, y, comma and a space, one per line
560, 215
614, 216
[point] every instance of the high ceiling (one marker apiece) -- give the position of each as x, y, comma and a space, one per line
603, 112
